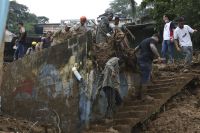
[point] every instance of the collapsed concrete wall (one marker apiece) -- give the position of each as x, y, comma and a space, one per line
41, 87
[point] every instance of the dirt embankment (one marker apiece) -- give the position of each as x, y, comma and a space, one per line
181, 115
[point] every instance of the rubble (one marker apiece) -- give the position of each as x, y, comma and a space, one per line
182, 115
10, 124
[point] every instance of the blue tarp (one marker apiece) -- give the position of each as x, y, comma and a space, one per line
4, 5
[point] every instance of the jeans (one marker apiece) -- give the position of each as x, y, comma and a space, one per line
145, 69
187, 52
19, 52
168, 46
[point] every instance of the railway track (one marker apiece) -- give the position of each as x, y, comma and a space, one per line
134, 112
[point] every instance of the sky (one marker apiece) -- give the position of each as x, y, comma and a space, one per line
57, 10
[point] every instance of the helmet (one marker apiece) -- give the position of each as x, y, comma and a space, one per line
34, 43
83, 19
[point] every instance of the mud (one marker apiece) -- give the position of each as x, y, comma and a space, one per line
10, 124
181, 115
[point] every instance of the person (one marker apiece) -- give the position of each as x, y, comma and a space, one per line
31, 49
110, 84
8, 36
168, 40
62, 35
80, 27
183, 41
46, 41
115, 25
104, 30
145, 58
19, 52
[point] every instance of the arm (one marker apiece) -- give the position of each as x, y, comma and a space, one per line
137, 48
177, 45
154, 50
191, 30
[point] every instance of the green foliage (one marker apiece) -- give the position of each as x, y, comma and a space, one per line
125, 7
20, 13
189, 9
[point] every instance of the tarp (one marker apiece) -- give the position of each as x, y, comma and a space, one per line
4, 5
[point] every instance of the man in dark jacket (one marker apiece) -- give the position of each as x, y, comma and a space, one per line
148, 52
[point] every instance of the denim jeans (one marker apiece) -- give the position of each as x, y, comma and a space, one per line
168, 46
145, 69
187, 52
19, 52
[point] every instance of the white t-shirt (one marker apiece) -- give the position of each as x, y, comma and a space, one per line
8, 36
183, 35
166, 32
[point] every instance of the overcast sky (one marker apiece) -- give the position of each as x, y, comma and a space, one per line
56, 10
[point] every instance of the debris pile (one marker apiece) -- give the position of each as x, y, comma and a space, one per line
9, 124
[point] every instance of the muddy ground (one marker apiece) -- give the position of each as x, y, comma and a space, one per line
9, 124
180, 115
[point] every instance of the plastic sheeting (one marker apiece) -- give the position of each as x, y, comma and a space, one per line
4, 5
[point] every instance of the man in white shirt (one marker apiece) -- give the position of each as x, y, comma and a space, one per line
183, 41
168, 41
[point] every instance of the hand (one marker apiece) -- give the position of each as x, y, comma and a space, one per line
108, 35
195, 30
159, 60
171, 39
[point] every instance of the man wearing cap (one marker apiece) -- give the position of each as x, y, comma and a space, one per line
104, 29
183, 41
80, 27
31, 49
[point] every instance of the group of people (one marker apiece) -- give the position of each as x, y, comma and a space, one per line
48, 39
173, 37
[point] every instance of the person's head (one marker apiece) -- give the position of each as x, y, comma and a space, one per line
83, 20
34, 44
181, 22
156, 37
67, 27
20, 24
49, 33
110, 16
166, 18
116, 20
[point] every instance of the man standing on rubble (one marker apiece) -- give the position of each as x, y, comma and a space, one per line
168, 39
146, 55
104, 29
19, 52
183, 41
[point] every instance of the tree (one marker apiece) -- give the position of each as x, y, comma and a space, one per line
42, 20
189, 9
20, 13
125, 7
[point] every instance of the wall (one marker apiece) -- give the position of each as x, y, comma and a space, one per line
41, 87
